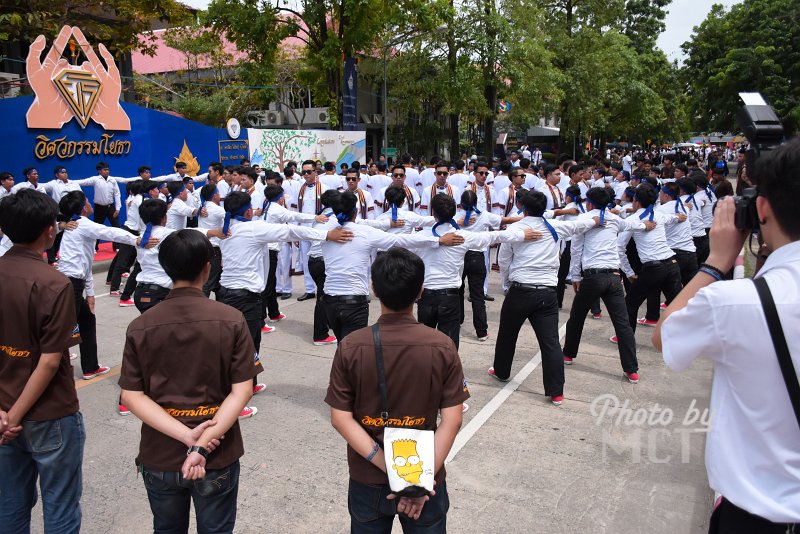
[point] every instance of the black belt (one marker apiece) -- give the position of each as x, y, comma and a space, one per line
134, 232
588, 272
154, 287
530, 286
243, 292
347, 299
659, 262
103, 205
679, 252
446, 291
474, 252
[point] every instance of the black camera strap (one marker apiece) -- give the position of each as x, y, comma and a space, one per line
779, 341
376, 337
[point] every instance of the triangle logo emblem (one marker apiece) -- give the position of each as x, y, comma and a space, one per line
81, 90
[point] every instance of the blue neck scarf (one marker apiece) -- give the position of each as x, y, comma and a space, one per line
148, 229
547, 224
678, 203
648, 212
394, 213
451, 222
237, 216
468, 209
578, 202
710, 193
268, 202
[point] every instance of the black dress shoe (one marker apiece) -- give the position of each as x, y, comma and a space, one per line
306, 296
488, 298
286, 296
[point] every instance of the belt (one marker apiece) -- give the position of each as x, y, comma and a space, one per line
659, 262
446, 291
679, 252
587, 272
530, 286
154, 287
243, 292
347, 299
474, 252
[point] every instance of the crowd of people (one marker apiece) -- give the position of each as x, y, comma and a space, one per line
622, 231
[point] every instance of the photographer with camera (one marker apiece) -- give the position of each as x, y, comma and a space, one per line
753, 449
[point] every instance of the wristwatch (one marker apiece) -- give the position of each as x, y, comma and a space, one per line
202, 451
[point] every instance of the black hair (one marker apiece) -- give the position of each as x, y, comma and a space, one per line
777, 174
598, 196
398, 167
207, 191
351, 170
700, 180
672, 187
525, 163
309, 162
24, 216
356, 165
288, 171
236, 200
153, 211
174, 187
58, 169
652, 181
134, 187
216, 166
469, 198
345, 204
381, 166
184, 254
187, 179
646, 195
329, 166
180, 165
480, 163
250, 172
329, 198
686, 185
459, 165
272, 191
148, 185
27, 170
505, 166
534, 202
344, 165
443, 207
101, 165
441, 163
682, 167
405, 158
550, 168
72, 203
5, 175
575, 191
395, 195
397, 277
575, 169
142, 169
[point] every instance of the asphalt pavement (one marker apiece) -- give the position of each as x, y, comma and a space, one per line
519, 463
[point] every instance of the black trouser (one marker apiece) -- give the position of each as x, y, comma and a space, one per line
212, 284
346, 313
655, 277
130, 284
563, 272
607, 286
438, 308
730, 519
103, 212
148, 295
87, 325
191, 222
52, 252
540, 307
122, 262
249, 303
269, 300
316, 267
687, 263
702, 245
475, 273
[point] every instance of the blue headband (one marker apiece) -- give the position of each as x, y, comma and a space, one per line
238, 216
170, 198
344, 217
451, 222
203, 200
578, 201
676, 197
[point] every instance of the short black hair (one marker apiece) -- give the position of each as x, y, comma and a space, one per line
153, 211
72, 203
180, 165
778, 178
345, 204
5, 175
175, 187
25, 215
207, 191
148, 185
271, 192
250, 172
101, 165
142, 169
686, 185
27, 170
398, 167
534, 202
443, 206
646, 195
598, 196
236, 200
550, 169
329, 198
397, 277
184, 254
395, 195
469, 198
329, 166
700, 180
58, 169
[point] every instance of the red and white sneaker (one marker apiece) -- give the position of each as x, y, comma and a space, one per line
646, 322
114, 293
464, 407
248, 411
557, 400
330, 340
493, 375
125, 275
277, 318
125, 303
267, 329
568, 360
123, 410
258, 388
613, 339
663, 305
633, 378
597, 315
100, 371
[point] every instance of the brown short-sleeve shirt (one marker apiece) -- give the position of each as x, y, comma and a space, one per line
37, 316
185, 354
423, 374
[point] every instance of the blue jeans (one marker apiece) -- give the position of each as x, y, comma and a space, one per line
214, 500
53, 450
371, 512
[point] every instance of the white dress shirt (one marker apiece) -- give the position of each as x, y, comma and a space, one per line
177, 213
555, 196
380, 203
752, 454
707, 209
57, 189
537, 262
375, 183
506, 201
445, 265
486, 196
243, 252
346, 264
134, 220
106, 191
412, 220
366, 210
597, 248
5, 245
278, 214
679, 235
333, 181
214, 219
484, 222
412, 179
695, 214
310, 200
76, 255
152, 272
432, 190
501, 181
223, 188
426, 177
652, 245
28, 185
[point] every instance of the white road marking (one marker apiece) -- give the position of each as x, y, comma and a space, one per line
493, 405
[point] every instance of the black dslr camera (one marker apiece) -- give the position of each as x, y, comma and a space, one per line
764, 130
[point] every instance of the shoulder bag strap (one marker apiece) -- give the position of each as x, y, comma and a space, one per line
779, 341
376, 336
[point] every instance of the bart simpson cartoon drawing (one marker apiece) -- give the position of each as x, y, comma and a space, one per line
406, 460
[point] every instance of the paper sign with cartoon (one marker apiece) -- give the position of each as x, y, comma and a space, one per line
409, 460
